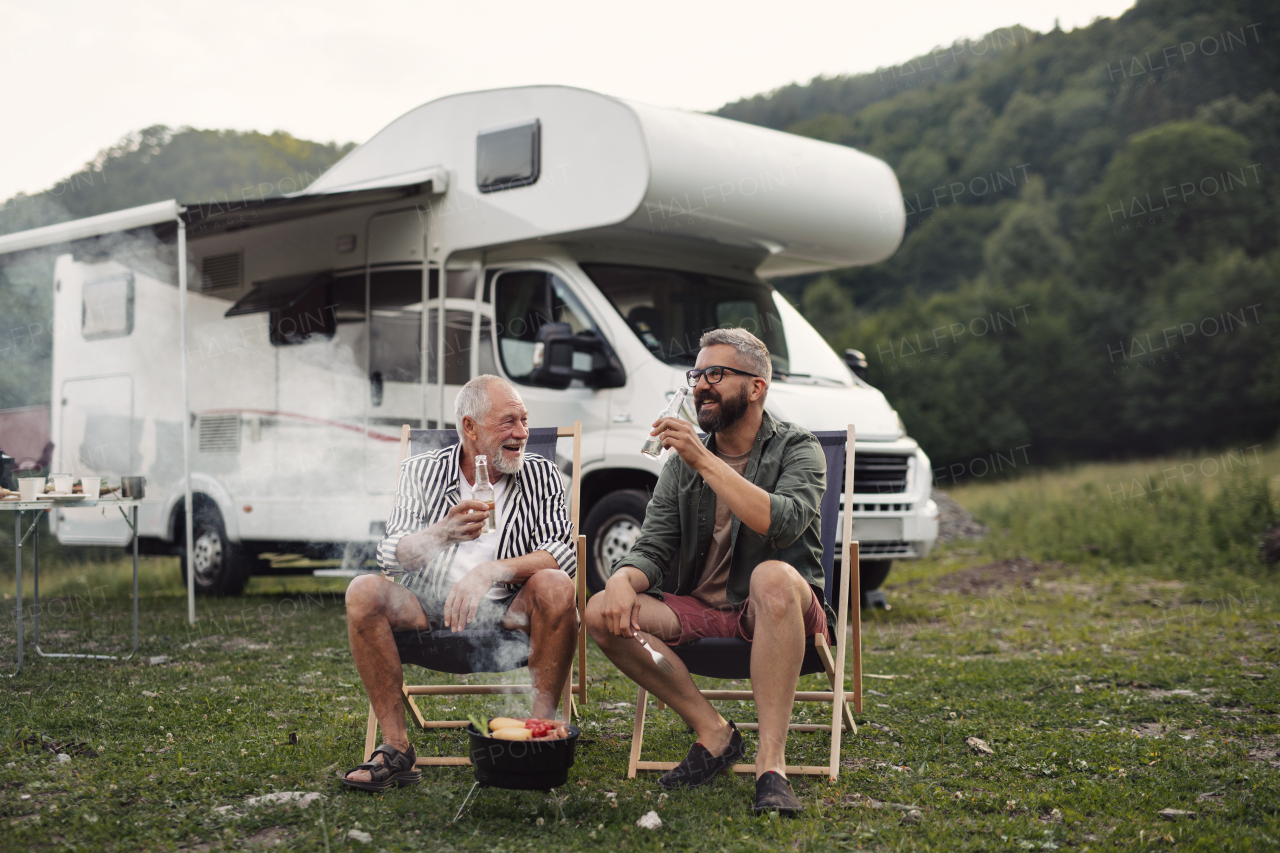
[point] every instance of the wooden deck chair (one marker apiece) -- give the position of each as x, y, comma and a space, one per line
731, 658
445, 651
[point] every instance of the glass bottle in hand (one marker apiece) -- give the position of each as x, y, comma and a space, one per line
653, 447
483, 491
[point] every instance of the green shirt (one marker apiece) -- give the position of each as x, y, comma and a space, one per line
788, 463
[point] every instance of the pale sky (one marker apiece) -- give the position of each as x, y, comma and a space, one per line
77, 76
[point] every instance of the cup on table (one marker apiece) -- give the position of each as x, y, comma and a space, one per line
133, 488
91, 486
30, 487
62, 484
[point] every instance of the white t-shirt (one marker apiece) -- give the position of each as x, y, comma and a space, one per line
485, 546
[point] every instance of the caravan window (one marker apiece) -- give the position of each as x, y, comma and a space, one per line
456, 349
395, 313
668, 310
309, 316
107, 308
508, 157
526, 300
301, 307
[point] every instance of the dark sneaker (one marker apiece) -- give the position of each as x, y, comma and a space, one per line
774, 794
700, 766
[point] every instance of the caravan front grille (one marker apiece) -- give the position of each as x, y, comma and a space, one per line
886, 549
879, 473
221, 272
880, 550
219, 434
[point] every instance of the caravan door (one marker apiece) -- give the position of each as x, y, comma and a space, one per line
451, 346
395, 290
99, 437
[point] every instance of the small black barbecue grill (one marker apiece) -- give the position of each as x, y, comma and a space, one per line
520, 765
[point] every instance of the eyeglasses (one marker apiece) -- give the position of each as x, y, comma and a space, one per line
714, 374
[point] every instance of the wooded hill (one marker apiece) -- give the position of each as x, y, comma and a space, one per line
1090, 267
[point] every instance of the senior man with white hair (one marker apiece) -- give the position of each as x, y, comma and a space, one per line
453, 576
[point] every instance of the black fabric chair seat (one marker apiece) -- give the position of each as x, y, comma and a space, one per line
718, 657
465, 652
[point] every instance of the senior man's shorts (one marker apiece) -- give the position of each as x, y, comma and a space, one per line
489, 614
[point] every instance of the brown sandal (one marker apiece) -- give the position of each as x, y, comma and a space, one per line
396, 768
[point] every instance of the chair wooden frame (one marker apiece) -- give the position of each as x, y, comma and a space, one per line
408, 691
841, 717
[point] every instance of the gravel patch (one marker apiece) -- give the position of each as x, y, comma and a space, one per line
954, 521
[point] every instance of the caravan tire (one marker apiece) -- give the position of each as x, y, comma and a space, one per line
872, 573
221, 566
611, 529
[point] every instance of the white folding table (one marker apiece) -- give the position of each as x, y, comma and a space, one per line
37, 508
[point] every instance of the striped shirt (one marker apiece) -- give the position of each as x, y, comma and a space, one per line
535, 516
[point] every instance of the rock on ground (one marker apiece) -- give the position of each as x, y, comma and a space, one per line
1174, 814
979, 746
301, 799
954, 521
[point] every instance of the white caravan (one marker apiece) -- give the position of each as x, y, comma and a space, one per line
585, 241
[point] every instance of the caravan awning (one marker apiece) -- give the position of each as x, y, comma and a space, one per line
222, 217
216, 216
62, 235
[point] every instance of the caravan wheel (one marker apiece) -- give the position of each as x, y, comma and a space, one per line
612, 527
872, 573
220, 565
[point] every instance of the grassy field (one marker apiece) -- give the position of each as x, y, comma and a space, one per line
1108, 688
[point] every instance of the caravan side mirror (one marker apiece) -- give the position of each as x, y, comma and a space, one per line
560, 356
857, 363
553, 356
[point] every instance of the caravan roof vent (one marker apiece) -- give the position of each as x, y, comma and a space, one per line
221, 272
219, 434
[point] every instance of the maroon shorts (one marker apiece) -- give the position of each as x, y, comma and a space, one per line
699, 620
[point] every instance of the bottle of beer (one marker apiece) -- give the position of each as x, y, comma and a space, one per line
483, 491
653, 445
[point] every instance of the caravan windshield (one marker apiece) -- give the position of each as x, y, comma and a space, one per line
668, 310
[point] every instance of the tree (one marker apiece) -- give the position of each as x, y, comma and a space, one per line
1028, 245
1176, 192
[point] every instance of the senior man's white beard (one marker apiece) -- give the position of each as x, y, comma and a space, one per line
499, 459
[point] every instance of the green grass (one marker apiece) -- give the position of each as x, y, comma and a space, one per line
1188, 516
1055, 667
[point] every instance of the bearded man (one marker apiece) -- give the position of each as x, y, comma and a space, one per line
519, 577
730, 547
